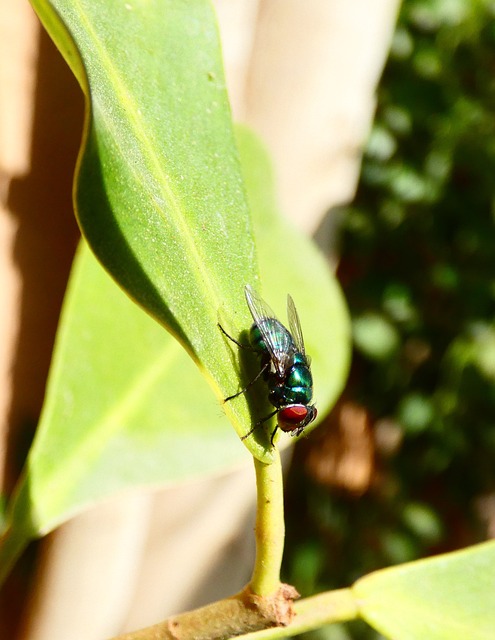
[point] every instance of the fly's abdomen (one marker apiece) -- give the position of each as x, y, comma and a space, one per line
279, 335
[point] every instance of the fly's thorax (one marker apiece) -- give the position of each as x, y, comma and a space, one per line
295, 388
299, 375
282, 395
301, 358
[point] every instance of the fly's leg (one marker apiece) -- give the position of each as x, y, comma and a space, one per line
239, 344
248, 348
250, 384
259, 423
258, 375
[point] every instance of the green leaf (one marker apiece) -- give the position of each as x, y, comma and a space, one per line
124, 405
448, 597
159, 192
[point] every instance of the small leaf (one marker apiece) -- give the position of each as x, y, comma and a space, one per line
448, 597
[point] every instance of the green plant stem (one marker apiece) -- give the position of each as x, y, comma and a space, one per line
265, 602
270, 527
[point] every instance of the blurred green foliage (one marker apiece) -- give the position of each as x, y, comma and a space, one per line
418, 269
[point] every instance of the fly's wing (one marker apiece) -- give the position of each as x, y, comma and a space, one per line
279, 343
295, 325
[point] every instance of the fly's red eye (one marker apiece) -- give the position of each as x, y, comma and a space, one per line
294, 414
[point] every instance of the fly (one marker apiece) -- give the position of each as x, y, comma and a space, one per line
285, 367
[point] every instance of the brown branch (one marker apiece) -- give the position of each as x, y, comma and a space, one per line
243, 613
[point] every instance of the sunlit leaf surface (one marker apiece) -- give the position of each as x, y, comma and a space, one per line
449, 597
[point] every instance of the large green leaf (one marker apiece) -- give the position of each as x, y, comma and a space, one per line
159, 192
449, 597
